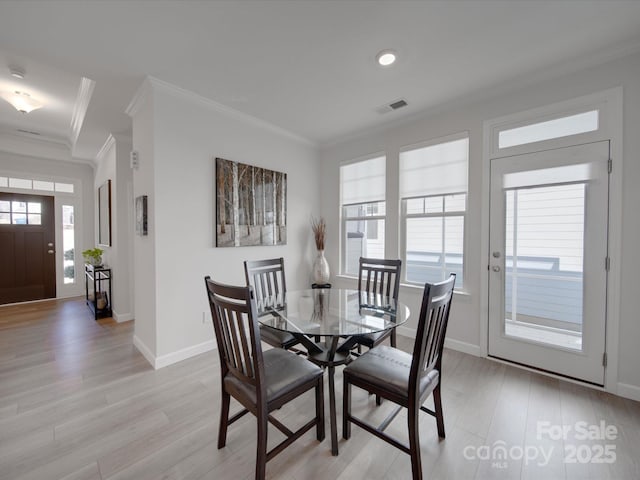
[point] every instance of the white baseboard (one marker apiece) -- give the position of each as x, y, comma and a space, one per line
122, 317
406, 331
451, 343
629, 391
463, 347
173, 357
144, 350
179, 355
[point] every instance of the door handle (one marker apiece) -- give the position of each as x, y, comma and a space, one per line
495, 268
49, 244
50, 251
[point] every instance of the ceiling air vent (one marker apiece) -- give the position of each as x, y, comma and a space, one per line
395, 105
29, 132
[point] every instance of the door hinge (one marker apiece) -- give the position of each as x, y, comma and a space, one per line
607, 263
604, 359
610, 165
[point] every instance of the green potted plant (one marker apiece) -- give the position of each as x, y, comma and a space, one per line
93, 256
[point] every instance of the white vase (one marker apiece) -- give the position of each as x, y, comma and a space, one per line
321, 268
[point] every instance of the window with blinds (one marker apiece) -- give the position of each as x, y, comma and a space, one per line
433, 194
363, 211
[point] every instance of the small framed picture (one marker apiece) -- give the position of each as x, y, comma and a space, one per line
141, 215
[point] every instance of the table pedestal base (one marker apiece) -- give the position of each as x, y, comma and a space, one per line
328, 356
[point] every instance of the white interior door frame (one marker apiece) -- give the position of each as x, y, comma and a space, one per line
609, 103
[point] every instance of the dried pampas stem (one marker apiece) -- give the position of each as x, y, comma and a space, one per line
319, 228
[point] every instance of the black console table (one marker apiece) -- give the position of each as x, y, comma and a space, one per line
98, 290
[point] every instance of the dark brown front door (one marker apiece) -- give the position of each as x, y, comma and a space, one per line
27, 246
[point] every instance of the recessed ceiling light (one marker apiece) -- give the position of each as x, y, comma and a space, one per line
386, 58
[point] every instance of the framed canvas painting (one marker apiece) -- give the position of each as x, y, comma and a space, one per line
251, 205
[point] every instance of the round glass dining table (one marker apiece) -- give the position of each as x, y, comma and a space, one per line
327, 323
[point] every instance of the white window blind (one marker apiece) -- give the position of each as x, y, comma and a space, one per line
434, 170
363, 182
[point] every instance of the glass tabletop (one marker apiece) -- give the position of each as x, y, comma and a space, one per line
331, 312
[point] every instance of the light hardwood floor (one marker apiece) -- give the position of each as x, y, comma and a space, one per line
78, 402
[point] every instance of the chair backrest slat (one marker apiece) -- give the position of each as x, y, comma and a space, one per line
233, 311
432, 329
379, 276
266, 277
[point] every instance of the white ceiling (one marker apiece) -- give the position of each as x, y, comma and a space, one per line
305, 66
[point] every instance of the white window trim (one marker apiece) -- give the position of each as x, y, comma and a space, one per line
403, 216
610, 127
600, 102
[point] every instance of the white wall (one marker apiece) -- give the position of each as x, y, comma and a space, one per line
113, 164
465, 324
144, 248
82, 176
183, 134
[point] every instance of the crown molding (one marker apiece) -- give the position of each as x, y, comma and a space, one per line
139, 98
85, 92
225, 110
106, 146
114, 139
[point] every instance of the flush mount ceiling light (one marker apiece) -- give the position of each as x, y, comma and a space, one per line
21, 101
386, 58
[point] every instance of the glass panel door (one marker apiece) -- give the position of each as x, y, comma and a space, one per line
548, 260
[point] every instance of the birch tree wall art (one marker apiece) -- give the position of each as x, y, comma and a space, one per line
251, 205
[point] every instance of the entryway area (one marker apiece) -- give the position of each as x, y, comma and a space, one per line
27, 247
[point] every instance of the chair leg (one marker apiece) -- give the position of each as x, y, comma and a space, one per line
261, 455
414, 443
320, 409
346, 410
393, 338
437, 401
224, 420
378, 400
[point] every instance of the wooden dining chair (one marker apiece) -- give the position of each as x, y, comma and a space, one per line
405, 379
382, 277
261, 381
267, 279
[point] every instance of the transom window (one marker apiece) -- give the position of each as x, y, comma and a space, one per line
550, 129
30, 184
20, 213
363, 212
433, 193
